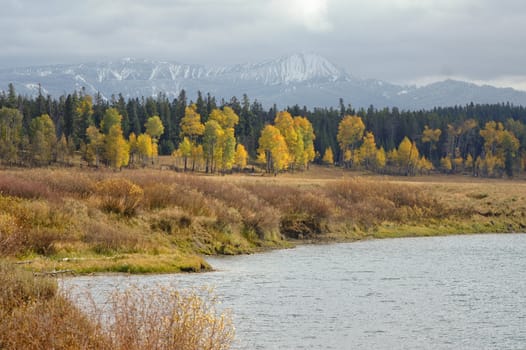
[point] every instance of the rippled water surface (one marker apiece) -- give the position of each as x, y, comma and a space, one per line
460, 292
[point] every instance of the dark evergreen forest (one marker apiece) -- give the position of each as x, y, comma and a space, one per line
460, 125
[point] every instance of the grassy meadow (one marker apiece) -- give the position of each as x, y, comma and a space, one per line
156, 221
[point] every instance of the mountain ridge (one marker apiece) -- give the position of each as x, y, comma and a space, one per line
301, 78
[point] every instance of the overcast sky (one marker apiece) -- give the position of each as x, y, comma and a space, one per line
409, 41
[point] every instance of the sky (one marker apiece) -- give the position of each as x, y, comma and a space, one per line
400, 41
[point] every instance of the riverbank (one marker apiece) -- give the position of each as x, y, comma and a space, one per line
152, 221
36, 315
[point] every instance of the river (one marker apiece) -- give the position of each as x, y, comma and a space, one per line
454, 292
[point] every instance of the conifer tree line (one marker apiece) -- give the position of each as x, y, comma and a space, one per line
216, 136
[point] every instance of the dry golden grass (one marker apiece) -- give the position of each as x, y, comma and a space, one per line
145, 221
49, 215
166, 319
34, 316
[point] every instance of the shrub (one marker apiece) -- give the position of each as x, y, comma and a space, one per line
18, 186
11, 240
34, 316
158, 195
255, 214
300, 212
42, 240
68, 182
20, 287
50, 324
369, 203
167, 319
119, 195
105, 239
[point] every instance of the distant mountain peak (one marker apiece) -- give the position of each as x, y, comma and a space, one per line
294, 68
299, 78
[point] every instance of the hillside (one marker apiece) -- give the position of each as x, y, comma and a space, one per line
303, 79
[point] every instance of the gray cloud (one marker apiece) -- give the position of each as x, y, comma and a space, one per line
398, 40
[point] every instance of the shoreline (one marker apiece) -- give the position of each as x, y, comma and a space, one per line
59, 220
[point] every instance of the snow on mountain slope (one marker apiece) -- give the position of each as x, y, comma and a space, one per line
304, 79
291, 69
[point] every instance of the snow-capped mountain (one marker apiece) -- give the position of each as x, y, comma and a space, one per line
292, 69
303, 79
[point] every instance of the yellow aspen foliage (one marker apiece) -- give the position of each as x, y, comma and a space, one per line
145, 147
356, 158
381, 158
490, 134
304, 128
280, 157
95, 148
368, 151
285, 124
328, 157
217, 163
408, 156
430, 135
458, 164
211, 141
85, 106
392, 156
424, 165
185, 151
43, 139
405, 151
220, 141
83, 117
241, 156
490, 165
154, 127
298, 153
273, 149
284, 121
116, 148
228, 145
197, 156
226, 117
155, 149
500, 148
11, 126
350, 132
217, 116
445, 164
347, 156
191, 125
230, 118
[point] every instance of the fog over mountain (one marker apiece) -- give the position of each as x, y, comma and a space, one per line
303, 79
